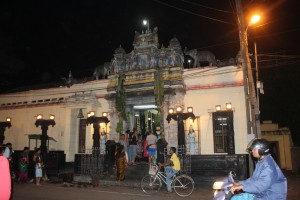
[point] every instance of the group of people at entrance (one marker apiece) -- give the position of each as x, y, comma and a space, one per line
133, 148
125, 155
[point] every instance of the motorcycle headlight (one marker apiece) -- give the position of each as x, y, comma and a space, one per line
217, 185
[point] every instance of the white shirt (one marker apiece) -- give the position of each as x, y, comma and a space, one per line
151, 139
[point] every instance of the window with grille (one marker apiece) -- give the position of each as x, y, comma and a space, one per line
223, 131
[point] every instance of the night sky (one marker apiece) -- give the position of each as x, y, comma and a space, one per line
41, 41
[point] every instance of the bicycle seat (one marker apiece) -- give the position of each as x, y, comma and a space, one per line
180, 172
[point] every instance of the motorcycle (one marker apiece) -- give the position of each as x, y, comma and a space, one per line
222, 188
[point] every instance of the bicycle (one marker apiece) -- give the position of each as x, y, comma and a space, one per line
183, 184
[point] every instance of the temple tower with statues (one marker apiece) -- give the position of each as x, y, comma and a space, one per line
147, 80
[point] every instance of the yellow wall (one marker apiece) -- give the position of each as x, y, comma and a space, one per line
284, 142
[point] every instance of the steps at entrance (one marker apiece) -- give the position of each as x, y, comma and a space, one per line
137, 171
133, 173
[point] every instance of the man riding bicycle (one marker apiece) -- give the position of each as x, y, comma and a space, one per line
171, 170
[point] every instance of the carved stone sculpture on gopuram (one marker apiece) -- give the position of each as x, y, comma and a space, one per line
146, 54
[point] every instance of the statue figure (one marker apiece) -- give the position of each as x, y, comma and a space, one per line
171, 59
143, 62
206, 56
134, 62
103, 139
114, 64
69, 81
191, 140
101, 72
201, 57
153, 61
122, 66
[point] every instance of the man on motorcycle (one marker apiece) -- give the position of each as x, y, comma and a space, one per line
267, 181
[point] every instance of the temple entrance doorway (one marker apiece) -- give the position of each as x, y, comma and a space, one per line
146, 118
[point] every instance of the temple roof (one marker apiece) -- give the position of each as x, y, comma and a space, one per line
174, 43
120, 50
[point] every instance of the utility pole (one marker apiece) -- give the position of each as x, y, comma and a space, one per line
257, 78
250, 89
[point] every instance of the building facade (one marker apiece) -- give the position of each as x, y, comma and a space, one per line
140, 88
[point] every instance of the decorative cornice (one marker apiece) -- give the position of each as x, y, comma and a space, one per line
214, 86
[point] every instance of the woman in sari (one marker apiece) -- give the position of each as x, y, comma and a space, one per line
23, 166
121, 163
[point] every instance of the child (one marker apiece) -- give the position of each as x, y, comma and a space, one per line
38, 166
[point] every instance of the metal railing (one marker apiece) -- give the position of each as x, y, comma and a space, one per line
91, 162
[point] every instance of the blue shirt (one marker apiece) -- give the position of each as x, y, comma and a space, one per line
6, 153
267, 182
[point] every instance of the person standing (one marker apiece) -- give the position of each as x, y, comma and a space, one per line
267, 181
139, 148
8, 151
23, 166
5, 183
128, 149
171, 170
38, 166
121, 163
145, 151
151, 146
123, 141
161, 145
133, 137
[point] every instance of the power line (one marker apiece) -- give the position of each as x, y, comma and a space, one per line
189, 12
279, 64
279, 56
211, 8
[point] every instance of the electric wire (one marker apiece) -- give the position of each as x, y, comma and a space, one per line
201, 5
189, 12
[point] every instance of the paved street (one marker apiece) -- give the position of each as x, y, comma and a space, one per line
51, 191
56, 192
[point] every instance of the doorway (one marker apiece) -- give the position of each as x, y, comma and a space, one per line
147, 120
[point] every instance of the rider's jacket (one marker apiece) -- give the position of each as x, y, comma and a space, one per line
267, 182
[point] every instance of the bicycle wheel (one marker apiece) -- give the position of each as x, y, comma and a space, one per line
150, 184
183, 185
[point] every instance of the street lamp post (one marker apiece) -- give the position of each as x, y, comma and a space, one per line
3, 125
146, 23
44, 123
252, 106
179, 116
92, 119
